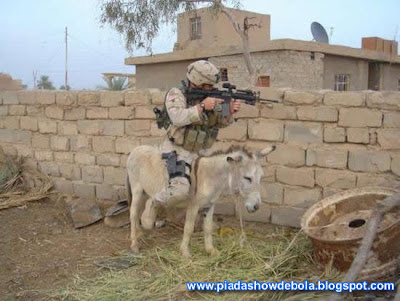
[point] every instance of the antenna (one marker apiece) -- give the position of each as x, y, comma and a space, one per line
319, 33
66, 60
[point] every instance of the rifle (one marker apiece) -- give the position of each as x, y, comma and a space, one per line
250, 97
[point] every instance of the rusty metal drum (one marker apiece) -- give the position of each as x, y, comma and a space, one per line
337, 224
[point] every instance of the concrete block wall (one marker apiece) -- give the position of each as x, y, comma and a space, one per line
326, 142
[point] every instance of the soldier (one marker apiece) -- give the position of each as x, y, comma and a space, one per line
194, 127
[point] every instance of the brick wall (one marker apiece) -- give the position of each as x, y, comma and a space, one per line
326, 142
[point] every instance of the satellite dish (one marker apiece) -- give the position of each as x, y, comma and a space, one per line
319, 33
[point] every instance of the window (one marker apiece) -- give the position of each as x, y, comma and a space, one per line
223, 74
342, 82
398, 86
263, 81
195, 28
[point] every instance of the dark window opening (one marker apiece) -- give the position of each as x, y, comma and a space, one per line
342, 82
223, 72
195, 28
263, 81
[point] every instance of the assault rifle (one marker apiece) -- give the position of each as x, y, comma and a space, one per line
250, 97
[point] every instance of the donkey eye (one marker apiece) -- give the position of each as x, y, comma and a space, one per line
248, 179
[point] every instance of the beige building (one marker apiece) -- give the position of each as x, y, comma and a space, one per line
281, 63
7, 83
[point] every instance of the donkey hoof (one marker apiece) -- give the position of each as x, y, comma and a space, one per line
135, 248
185, 253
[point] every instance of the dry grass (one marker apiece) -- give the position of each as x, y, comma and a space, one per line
14, 190
160, 273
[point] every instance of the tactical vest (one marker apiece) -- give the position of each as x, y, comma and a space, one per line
199, 135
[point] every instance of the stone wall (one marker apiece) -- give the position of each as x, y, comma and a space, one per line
326, 142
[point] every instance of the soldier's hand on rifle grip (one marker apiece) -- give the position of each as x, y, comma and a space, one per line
234, 106
209, 103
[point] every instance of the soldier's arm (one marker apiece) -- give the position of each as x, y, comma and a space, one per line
177, 109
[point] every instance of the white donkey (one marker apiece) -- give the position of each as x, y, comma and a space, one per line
221, 173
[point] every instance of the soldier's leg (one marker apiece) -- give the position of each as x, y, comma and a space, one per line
176, 192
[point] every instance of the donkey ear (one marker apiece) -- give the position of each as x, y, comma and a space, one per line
265, 151
234, 159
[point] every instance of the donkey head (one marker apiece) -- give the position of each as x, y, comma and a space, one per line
246, 173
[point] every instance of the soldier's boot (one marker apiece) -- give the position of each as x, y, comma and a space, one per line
176, 192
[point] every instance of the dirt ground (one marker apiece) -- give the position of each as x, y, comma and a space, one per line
40, 249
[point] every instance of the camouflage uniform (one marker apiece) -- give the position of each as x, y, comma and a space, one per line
182, 116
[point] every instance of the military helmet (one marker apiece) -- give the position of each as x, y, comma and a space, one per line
202, 72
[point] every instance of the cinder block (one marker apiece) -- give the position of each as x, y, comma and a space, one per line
344, 99
334, 134
390, 119
67, 98
103, 144
236, 131
67, 128
157, 96
37, 111
324, 157
369, 161
287, 216
17, 110
295, 176
75, 113
15, 137
66, 157
29, 123
288, 155
248, 111
70, 171
111, 99
271, 193
101, 127
26, 97
306, 132
301, 197
41, 141
114, 176
49, 168
279, 111
64, 186
358, 135
47, 126
303, 98
97, 113
89, 98
268, 130
59, 143
378, 180
10, 122
84, 191
122, 113
106, 192
384, 100
395, 166
42, 155
45, 97
81, 144
108, 160
137, 127
4, 110
335, 178
141, 97
317, 114
125, 145
54, 112
144, 112
92, 174
389, 138
85, 159
359, 117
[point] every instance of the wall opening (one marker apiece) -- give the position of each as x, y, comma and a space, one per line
374, 72
263, 81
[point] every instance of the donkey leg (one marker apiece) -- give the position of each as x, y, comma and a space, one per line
136, 201
208, 229
191, 214
149, 215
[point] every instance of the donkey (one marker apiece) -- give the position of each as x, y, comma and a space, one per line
236, 171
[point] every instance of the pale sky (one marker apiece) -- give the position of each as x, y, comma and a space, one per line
32, 34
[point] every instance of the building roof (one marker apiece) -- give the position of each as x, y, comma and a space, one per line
273, 45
